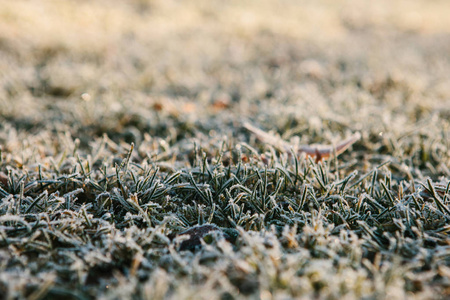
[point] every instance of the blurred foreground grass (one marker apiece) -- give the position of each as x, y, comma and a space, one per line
85, 215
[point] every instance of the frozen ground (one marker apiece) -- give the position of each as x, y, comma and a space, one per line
84, 214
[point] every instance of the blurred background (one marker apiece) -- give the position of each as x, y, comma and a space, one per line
176, 68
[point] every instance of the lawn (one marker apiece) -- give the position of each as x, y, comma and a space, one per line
152, 149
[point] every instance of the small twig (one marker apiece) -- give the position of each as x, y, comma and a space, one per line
318, 152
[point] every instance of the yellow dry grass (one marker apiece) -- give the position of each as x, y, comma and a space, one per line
98, 26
